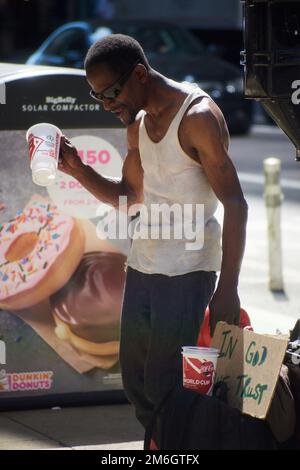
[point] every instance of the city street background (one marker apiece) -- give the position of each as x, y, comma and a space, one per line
24, 25
269, 311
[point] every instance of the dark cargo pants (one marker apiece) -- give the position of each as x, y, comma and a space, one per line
160, 314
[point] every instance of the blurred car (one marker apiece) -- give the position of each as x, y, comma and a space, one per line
171, 50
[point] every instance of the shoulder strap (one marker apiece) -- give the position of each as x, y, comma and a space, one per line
193, 96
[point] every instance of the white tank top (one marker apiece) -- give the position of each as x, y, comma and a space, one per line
172, 177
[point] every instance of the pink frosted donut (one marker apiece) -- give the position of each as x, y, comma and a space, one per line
39, 250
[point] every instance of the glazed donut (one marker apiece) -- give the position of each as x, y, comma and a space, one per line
39, 250
87, 309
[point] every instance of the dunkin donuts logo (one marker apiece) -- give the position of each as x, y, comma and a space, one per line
34, 143
24, 381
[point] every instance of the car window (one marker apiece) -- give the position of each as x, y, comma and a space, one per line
164, 40
156, 42
100, 33
71, 40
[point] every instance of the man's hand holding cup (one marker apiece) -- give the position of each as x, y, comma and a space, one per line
69, 160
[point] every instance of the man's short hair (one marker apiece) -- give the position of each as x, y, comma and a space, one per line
117, 51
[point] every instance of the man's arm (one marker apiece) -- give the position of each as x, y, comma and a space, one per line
105, 189
209, 138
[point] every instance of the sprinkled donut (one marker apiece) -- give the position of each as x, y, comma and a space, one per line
39, 250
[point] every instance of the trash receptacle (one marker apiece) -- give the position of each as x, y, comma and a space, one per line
61, 284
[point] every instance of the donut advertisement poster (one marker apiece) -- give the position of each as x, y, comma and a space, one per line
61, 286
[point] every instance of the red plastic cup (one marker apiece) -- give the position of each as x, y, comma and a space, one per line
199, 368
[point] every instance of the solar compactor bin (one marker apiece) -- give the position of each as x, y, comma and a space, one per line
61, 283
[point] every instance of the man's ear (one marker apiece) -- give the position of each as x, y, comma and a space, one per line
141, 73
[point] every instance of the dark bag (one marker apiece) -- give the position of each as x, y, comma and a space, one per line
187, 420
281, 415
293, 364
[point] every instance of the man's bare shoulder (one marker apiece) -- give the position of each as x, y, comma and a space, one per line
204, 116
204, 109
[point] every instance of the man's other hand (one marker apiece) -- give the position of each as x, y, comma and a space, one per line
224, 306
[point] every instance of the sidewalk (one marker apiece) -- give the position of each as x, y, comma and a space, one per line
270, 311
114, 427
107, 427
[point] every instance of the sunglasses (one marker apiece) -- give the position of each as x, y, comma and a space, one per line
114, 90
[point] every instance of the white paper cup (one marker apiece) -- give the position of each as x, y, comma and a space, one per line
44, 142
199, 368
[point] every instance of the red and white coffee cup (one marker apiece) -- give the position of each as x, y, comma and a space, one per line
44, 142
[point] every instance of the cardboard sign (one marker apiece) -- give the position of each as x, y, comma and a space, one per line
249, 363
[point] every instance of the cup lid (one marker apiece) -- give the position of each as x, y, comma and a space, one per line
199, 349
